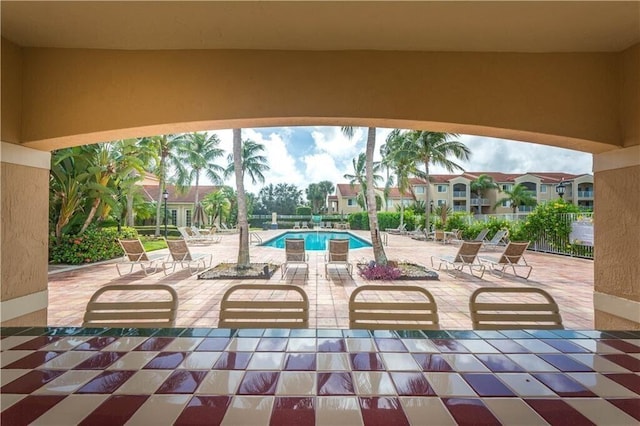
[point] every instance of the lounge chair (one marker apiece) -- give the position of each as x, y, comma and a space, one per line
520, 315
453, 236
296, 225
481, 235
305, 225
501, 238
401, 229
512, 257
407, 314
338, 254
467, 256
191, 237
295, 255
121, 312
261, 311
207, 235
135, 255
179, 254
225, 228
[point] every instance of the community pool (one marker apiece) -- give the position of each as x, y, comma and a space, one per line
317, 240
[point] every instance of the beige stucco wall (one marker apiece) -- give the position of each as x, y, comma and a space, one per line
11, 94
537, 97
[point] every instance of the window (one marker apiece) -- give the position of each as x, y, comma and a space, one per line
188, 217
174, 217
442, 188
442, 202
350, 202
543, 188
506, 187
389, 204
419, 190
506, 203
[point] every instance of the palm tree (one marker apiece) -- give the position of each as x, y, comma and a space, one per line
359, 176
66, 188
197, 153
436, 148
517, 196
378, 249
327, 188
253, 162
400, 158
216, 205
244, 261
480, 185
314, 196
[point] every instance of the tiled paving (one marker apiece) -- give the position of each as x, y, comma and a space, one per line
568, 280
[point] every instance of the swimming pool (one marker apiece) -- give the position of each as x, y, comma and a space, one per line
317, 240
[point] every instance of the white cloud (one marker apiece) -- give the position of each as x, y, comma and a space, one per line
331, 140
321, 167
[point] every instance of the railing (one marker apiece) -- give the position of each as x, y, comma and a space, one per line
459, 208
255, 238
551, 242
479, 201
585, 194
459, 194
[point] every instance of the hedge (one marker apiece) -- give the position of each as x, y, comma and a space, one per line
94, 245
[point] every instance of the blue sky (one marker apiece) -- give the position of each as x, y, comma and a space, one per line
303, 155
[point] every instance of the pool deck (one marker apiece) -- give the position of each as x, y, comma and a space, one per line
568, 280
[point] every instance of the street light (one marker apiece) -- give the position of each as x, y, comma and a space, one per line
119, 208
431, 206
165, 195
560, 188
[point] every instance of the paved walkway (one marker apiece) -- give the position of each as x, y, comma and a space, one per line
569, 280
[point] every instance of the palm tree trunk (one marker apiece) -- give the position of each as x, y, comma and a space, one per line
378, 250
161, 184
243, 225
130, 215
92, 213
427, 225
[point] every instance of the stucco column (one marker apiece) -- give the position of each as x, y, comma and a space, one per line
24, 209
617, 239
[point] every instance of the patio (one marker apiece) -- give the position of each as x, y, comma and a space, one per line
568, 280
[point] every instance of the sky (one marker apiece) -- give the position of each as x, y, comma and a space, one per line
305, 155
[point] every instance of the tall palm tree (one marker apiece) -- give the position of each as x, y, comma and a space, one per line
253, 162
326, 188
517, 196
244, 261
314, 196
378, 249
67, 189
197, 153
359, 176
399, 157
216, 205
481, 184
436, 148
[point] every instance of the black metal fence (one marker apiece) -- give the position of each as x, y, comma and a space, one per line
579, 243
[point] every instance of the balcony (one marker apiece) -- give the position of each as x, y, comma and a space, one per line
459, 208
480, 202
459, 194
585, 194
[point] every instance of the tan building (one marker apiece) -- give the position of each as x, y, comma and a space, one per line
76, 73
180, 206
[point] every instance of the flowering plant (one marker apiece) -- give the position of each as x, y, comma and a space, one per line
373, 271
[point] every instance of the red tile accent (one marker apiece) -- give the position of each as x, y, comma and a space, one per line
233, 361
28, 409
36, 343
300, 362
95, 344
558, 412
182, 381
627, 347
470, 411
412, 384
31, 381
154, 344
628, 380
624, 360
628, 405
204, 410
99, 361
293, 411
259, 383
117, 409
335, 384
33, 360
382, 411
106, 382
166, 360
487, 384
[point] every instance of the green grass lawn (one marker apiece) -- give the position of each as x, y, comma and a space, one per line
152, 245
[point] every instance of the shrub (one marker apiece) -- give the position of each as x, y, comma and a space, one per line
373, 271
94, 245
303, 211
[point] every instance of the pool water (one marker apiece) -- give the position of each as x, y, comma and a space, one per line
317, 240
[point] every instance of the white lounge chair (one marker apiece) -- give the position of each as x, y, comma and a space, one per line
467, 256
191, 237
295, 255
512, 257
179, 254
501, 238
337, 255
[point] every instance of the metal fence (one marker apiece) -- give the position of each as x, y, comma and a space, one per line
579, 243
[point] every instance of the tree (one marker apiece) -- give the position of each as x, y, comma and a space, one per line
282, 198
66, 189
399, 157
216, 205
378, 249
327, 188
197, 153
315, 196
244, 261
481, 184
517, 196
253, 163
435, 148
359, 175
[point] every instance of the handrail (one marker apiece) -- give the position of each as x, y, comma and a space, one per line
255, 238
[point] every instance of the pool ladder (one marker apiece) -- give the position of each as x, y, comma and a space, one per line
255, 238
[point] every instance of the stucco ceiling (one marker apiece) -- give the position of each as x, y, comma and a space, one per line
501, 26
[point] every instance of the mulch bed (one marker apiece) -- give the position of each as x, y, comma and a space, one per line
229, 271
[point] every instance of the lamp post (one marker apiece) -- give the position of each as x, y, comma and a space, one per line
560, 188
119, 208
431, 206
165, 195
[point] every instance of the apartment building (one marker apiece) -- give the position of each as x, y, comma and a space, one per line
455, 191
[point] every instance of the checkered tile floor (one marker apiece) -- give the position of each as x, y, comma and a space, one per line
324, 377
